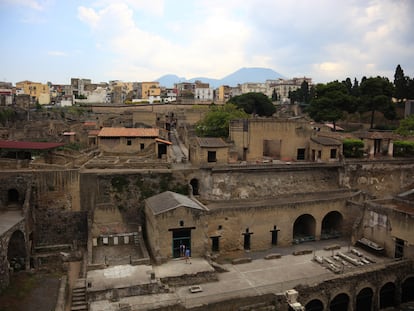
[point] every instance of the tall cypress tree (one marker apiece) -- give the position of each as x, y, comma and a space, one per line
401, 84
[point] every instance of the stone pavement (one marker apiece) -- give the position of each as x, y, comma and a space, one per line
257, 277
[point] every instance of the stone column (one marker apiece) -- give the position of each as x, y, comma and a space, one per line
390, 148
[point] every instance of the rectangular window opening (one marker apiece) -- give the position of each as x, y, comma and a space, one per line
211, 156
301, 154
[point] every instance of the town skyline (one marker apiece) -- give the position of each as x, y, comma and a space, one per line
137, 41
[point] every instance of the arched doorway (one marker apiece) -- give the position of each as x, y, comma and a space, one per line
16, 251
331, 225
339, 303
12, 196
194, 185
314, 305
364, 299
407, 290
304, 229
387, 295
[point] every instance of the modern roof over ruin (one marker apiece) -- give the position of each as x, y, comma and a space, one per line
169, 200
211, 142
128, 132
326, 141
28, 145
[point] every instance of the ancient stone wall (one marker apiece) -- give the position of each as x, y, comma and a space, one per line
230, 184
379, 178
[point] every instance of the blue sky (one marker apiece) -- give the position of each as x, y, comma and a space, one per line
141, 40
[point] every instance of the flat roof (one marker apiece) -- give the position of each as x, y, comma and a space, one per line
281, 200
128, 132
28, 145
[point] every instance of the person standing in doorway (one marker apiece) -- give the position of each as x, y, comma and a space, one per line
182, 250
187, 255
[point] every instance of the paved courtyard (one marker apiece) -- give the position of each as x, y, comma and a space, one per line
257, 277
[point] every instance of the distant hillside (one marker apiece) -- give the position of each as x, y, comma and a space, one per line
243, 75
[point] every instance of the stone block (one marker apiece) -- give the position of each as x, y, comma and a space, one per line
273, 256
238, 261
302, 252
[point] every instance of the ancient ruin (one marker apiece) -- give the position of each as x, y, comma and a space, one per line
275, 219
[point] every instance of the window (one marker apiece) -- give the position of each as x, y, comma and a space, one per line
129, 142
142, 146
301, 154
333, 153
211, 156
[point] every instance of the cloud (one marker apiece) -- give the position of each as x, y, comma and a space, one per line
323, 39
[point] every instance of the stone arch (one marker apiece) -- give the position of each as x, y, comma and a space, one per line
16, 251
387, 295
364, 299
304, 228
12, 196
331, 225
407, 289
195, 186
339, 303
314, 305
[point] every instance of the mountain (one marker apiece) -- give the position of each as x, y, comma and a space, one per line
243, 75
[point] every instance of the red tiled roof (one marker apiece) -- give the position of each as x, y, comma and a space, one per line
31, 145
159, 140
93, 132
128, 132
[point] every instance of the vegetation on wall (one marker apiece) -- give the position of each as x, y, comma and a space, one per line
353, 148
119, 183
403, 148
406, 127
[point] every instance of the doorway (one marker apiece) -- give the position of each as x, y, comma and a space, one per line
180, 237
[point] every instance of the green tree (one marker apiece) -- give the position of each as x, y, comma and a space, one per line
216, 121
376, 94
330, 101
406, 127
401, 84
254, 103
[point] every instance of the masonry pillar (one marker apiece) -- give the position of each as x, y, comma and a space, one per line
390, 148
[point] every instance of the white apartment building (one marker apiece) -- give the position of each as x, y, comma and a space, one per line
203, 92
253, 88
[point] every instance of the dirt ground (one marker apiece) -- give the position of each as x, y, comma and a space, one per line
31, 291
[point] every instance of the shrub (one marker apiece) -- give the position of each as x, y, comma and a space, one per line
403, 149
353, 148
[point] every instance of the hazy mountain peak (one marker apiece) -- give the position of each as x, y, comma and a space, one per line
243, 75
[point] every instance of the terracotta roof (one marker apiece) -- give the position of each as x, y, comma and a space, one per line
93, 132
28, 145
89, 123
326, 141
169, 200
128, 132
212, 142
159, 140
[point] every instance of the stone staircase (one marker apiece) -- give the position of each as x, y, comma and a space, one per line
79, 302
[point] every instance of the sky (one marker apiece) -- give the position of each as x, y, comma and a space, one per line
142, 40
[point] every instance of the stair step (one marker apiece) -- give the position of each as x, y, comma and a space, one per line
78, 298
78, 303
79, 308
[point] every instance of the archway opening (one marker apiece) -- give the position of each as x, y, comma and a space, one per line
340, 303
304, 229
331, 225
387, 296
407, 290
16, 251
194, 184
12, 196
364, 299
314, 305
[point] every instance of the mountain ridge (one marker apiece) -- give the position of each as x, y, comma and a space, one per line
240, 76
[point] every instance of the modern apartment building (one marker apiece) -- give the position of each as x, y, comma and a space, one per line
37, 91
